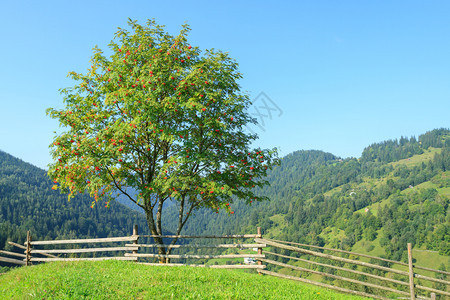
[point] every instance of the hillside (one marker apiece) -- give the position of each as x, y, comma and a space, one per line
397, 192
27, 202
127, 280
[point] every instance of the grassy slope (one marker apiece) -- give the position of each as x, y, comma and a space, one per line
127, 280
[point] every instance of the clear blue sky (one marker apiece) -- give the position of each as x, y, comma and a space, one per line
344, 74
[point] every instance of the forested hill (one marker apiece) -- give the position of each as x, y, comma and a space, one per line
27, 202
397, 192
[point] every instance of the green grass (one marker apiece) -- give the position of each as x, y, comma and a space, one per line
429, 259
278, 224
363, 246
444, 191
128, 280
419, 158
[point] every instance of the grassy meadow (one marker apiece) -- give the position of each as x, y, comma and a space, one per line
128, 280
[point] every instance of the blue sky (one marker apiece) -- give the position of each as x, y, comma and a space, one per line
344, 74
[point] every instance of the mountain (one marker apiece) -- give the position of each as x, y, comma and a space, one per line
397, 192
27, 202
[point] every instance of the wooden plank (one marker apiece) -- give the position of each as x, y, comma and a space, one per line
233, 236
340, 268
196, 256
332, 287
85, 250
13, 254
38, 259
81, 241
17, 245
332, 257
344, 251
432, 279
12, 261
23, 247
268, 261
237, 266
48, 255
199, 246
421, 287
208, 266
431, 270
364, 255
170, 265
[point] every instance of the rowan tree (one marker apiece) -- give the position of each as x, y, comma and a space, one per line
163, 118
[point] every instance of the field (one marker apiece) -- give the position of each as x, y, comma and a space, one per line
127, 280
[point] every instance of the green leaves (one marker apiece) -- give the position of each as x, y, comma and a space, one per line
161, 117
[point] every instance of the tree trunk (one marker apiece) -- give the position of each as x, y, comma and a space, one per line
154, 231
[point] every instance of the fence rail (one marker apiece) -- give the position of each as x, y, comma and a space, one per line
412, 286
200, 246
138, 251
364, 255
134, 251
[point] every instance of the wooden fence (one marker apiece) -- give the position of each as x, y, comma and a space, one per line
402, 284
388, 282
134, 250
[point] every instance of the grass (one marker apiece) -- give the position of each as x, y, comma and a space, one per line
128, 280
278, 224
363, 247
430, 259
444, 191
419, 158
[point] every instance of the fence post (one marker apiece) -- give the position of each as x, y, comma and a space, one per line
259, 249
433, 296
28, 250
411, 272
135, 233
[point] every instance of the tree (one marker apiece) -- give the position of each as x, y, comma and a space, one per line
160, 117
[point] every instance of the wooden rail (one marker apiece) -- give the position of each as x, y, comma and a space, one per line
200, 246
334, 276
13, 253
30, 252
363, 255
209, 266
130, 252
340, 268
85, 250
410, 274
333, 287
332, 257
24, 248
48, 259
232, 236
185, 256
85, 241
12, 261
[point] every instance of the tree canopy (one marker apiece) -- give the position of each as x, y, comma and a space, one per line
161, 117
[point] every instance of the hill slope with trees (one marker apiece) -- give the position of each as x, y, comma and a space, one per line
397, 192
27, 202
